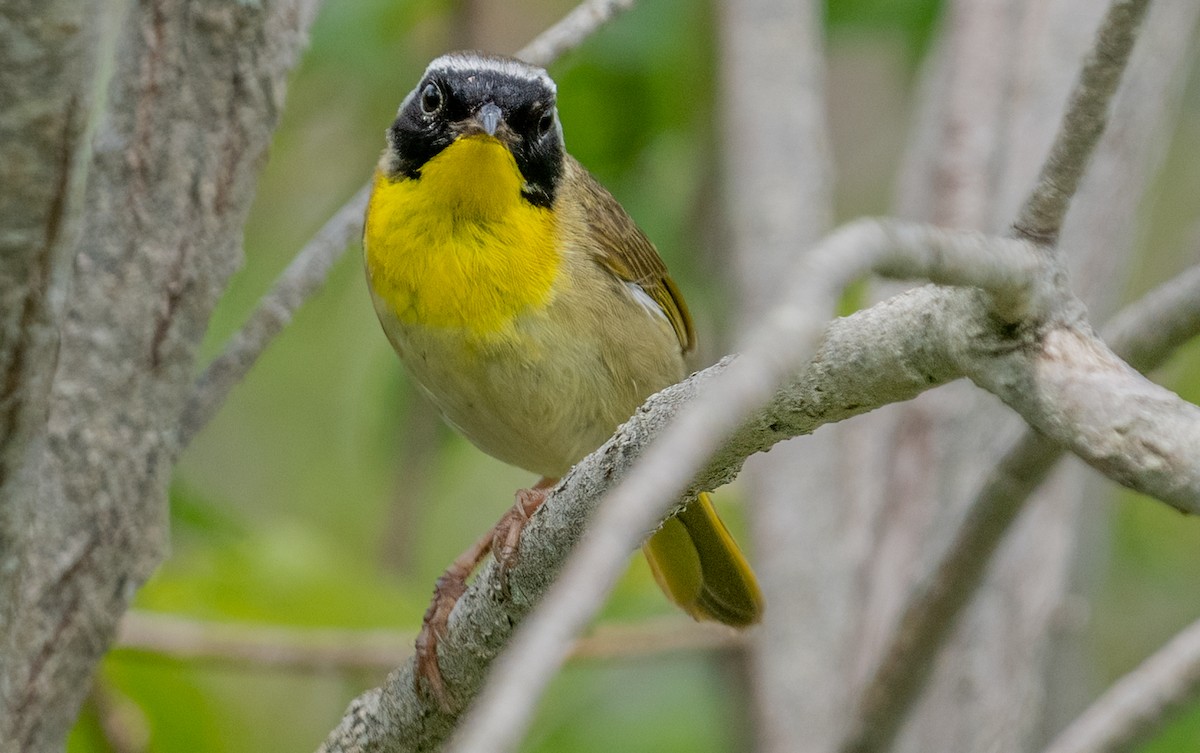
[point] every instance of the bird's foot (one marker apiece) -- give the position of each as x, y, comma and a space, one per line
446, 593
503, 540
506, 538
433, 628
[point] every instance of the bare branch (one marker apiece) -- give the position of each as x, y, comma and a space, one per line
1081, 395
788, 336
1041, 217
303, 277
572, 31
1145, 334
162, 637
881, 355
1138, 704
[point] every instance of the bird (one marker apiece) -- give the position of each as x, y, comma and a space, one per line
532, 311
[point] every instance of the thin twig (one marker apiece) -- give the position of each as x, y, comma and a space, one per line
162, 637
787, 338
1137, 705
1041, 217
1147, 332
1144, 334
907, 662
572, 30
308, 270
303, 277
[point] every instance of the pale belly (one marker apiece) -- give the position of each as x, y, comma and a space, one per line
535, 400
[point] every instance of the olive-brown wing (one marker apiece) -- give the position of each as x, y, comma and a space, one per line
624, 250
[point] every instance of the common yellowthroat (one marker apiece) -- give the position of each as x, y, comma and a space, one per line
531, 309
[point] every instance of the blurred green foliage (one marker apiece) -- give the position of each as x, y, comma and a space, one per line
286, 506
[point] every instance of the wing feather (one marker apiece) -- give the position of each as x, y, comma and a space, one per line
625, 251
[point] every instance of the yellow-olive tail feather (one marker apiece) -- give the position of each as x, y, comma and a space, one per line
699, 567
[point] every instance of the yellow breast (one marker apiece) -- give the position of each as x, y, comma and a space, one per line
459, 247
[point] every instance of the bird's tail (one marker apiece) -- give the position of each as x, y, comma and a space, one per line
699, 567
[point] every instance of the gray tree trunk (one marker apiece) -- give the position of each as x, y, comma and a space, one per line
195, 95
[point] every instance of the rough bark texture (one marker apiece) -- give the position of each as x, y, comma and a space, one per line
196, 93
49, 55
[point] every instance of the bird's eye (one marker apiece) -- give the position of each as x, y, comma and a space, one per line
545, 122
431, 99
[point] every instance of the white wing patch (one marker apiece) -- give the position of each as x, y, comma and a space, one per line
642, 297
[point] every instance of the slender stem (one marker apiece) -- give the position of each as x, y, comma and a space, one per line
303, 277
1137, 705
1145, 334
1041, 217
161, 637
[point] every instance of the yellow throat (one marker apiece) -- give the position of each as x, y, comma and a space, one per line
459, 247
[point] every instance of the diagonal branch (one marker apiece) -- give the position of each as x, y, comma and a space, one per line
885, 354
170, 638
1129, 712
1145, 334
788, 337
1041, 217
572, 30
302, 278
306, 274
1138, 704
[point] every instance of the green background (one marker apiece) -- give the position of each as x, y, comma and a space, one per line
327, 494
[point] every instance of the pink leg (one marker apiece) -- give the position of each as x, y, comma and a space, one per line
503, 541
507, 539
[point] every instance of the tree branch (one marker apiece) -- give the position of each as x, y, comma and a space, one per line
788, 336
1145, 333
573, 30
306, 274
162, 637
1138, 704
302, 278
874, 357
1041, 217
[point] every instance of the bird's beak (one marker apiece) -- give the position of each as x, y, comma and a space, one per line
489, 117
487, 120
